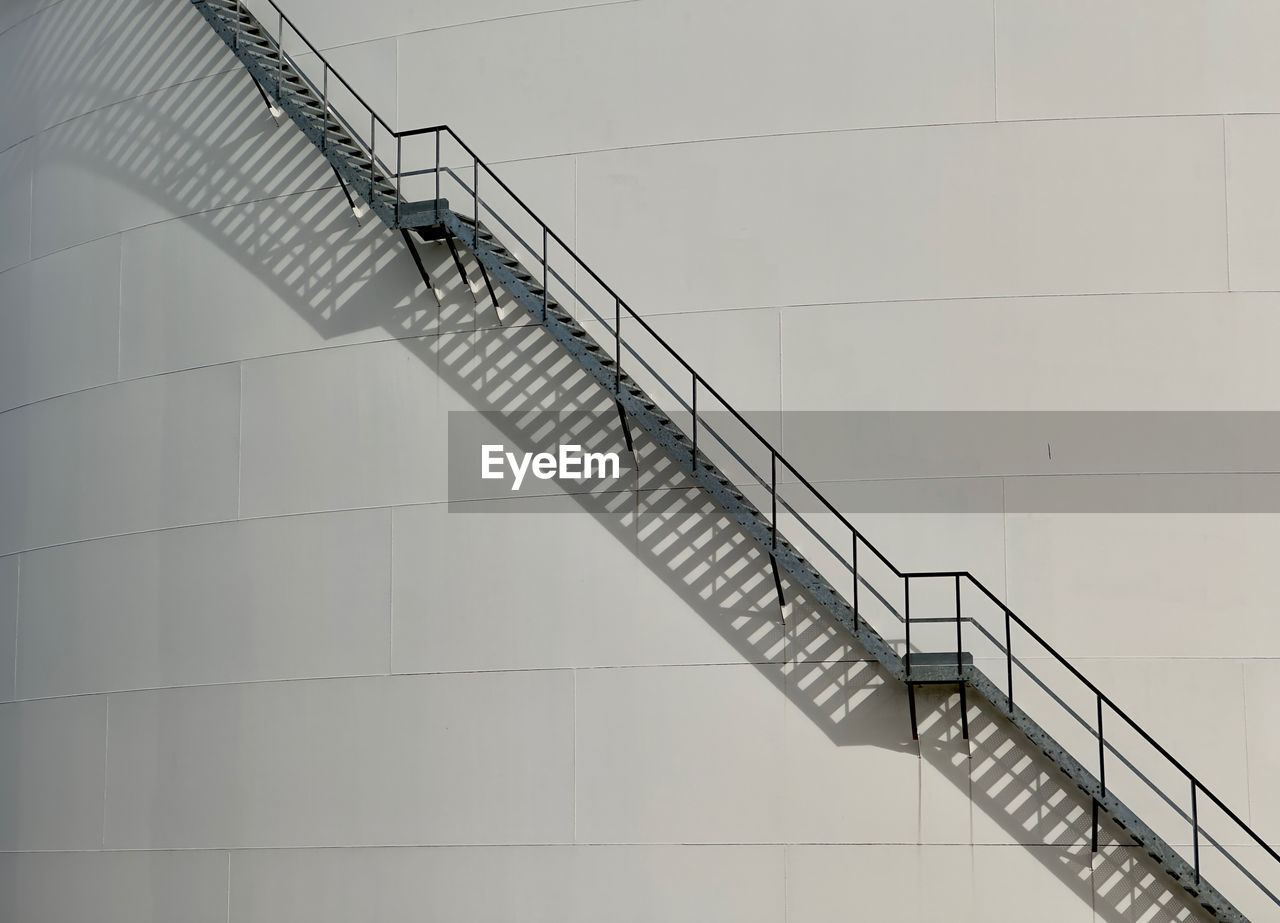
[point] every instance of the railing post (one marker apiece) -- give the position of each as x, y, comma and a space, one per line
235, 39
438, 173
964, 701
906, 617
1195, 832
399, 171
475, 198
544, 272
773, 492
617, 345
693, 455
856, 624
1008, 652
1102, 752
373, 137
324, 116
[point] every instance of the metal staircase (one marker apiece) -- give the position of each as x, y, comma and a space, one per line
981, 632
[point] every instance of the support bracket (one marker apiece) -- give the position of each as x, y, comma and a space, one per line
277, 114
484, 273
417, 261
1093, 842
626, 429
361, 211
777, 585
457, 261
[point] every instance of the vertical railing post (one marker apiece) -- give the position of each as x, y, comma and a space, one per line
617, 344
856, 623
1008, 652
544, 273
1102, 777
773, 493
475, 198
373, 137
1195, 829
1102, 752
235, 38
324, 116
437, 209
964, 701
906, 617
399, 174
693, 455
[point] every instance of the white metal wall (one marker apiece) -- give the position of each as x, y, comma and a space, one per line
255, 671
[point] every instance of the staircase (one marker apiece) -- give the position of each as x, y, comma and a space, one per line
372, 166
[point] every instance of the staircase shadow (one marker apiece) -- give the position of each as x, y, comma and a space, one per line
209, 145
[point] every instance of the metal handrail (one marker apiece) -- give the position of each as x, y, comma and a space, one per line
1104, 702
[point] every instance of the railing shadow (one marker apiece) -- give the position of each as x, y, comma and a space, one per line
298, 239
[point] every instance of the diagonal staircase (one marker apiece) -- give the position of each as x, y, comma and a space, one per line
371, 166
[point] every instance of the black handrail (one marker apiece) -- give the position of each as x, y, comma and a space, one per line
699, 383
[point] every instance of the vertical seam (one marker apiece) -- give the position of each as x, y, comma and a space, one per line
782, 442
17, 621
1226, 204
391, 590
920, 784
577, 277
120, 310
1248, 774
995, 65
239, 436
1004, 528
788, 685
31, 200
574, 768
106, 762
786, 862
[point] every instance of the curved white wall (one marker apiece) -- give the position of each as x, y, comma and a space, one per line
255, 671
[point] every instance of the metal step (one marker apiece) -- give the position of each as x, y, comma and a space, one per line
937, 668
